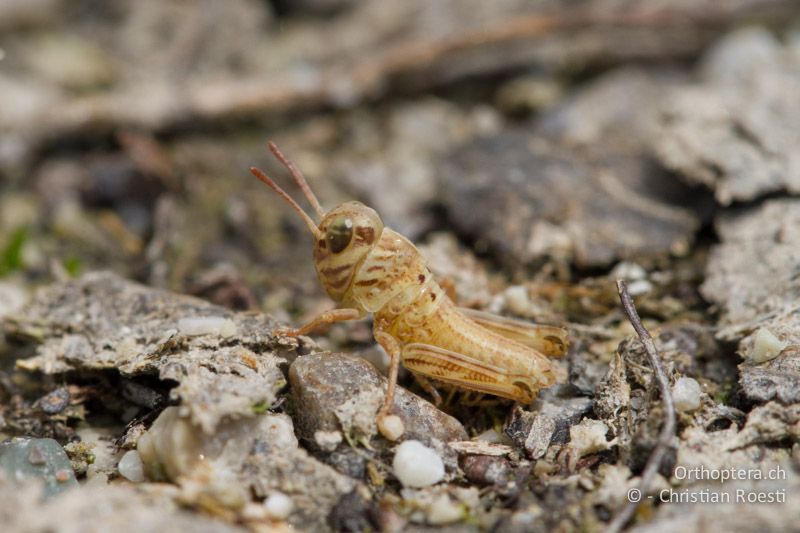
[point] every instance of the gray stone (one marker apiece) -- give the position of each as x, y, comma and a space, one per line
487, 470
753, 448
315, 488
752, 275
101, 321
576, 186
778, 379
102, 507
337, 392
54, 402
257, 455
549, 423
731, 514
736, 130
42, 459
391, 162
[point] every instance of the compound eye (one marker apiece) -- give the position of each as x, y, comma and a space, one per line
339, 234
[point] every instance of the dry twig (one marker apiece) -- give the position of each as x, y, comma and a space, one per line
667, 429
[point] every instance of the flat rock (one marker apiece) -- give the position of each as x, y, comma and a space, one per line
42, 459
333, 392
244, 457
731, 514
735, 131
390, 162
101, 321
752, 275
703, 454
776, 379
548, 423
102, 507
578, 185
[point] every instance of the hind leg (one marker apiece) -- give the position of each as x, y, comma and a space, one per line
428, 387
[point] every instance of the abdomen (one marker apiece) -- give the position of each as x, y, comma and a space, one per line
433, 319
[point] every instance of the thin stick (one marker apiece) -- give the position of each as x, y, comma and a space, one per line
298, 178
283, 194
667, 429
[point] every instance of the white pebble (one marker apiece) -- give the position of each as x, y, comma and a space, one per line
391, 427
131, 467
517, 299
210, 325
589, 436
327, 440
628, 271
637, 288
766, 346
492, 436
254, 511
416, 465
686, 394
634, 275
278, 505
443, 510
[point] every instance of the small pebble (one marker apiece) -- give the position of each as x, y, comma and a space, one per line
62, 476
416, 465
589, 437
637, 288
486, 470
766, 346
517, 299
278, 505
528, 93
444, 511
628, 271
327, 440
131, 467
35, 456
686, 394
391, 427
55, 402
492, 436
211, 325
254, 511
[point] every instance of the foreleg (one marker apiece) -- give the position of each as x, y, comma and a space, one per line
328, 317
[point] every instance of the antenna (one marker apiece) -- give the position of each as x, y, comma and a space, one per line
298, 178
283, 194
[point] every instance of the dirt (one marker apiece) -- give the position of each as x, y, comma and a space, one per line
534, 152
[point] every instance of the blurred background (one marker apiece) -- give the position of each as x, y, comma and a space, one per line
533, 135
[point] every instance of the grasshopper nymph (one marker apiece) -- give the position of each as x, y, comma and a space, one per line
368, 268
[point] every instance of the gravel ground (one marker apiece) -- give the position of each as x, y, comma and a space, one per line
534, 152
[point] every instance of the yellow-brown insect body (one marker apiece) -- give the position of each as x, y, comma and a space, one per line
372, 269
394, 283
382, 272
